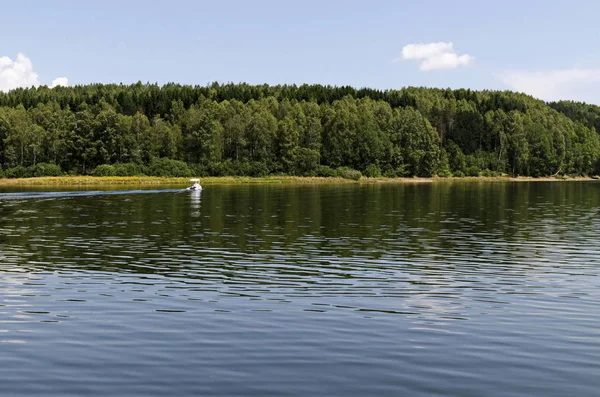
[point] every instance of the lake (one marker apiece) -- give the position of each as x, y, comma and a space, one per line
435, 289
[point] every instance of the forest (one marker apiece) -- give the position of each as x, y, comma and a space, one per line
306, 130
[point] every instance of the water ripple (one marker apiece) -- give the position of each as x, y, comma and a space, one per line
428, 290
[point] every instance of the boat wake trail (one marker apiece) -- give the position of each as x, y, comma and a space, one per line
37, 194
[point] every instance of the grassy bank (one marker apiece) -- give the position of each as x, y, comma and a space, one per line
478, 179
148, 180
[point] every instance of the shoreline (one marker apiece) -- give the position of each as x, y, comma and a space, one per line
227, 180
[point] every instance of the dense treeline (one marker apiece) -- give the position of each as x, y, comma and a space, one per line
588, 115
239, 129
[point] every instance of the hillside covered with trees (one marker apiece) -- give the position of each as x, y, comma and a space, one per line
240, 129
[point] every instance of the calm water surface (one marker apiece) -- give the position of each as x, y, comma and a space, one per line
463, 289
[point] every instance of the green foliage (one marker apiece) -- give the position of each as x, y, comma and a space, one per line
199, 170
443, 168
240, 129
348, 173
129, 169
445, 173
222, 168
258, 169
457, 158
392, 173
234, 168
18, 172
37, 170
104, 170
458, 174
253, 168
586, 114
415, 144
2, 175
169, 168
325, 171
487, 173
372, 171
44, 169
472, 171
306, 162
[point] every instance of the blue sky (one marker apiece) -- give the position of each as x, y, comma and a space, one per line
549, 49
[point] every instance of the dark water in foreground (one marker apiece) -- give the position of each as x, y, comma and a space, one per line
345, 290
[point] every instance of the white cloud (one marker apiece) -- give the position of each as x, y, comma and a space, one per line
425, 51
575, 84
60, 81
434, 56
19, 73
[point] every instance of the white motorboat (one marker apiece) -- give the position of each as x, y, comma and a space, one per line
195, 185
